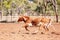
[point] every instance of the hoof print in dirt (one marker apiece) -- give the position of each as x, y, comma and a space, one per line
42, 33
13, 32
23, 35
34, 33
52, 32
19, 31
2, 32
26, 33
55, 33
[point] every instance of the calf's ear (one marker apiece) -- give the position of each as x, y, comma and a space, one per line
25, 18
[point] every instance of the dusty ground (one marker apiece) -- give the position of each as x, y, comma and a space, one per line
15, 31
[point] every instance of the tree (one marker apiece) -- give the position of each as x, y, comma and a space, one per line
58, 2
1, 8
55, 9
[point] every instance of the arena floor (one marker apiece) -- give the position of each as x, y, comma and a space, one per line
15, 31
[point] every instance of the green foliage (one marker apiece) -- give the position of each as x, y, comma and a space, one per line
35, 1
25, 4
58, 2
33, 6
6, 4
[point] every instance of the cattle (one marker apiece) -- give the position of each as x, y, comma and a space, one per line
23, 18
37, 22
27, 20
42, 22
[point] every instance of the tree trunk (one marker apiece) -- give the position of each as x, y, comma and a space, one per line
44, 7
1, 8
55, 9
56, 17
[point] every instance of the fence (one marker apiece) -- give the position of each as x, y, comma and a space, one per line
8, 18
15, 18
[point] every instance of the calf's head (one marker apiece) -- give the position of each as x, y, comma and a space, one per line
23, 18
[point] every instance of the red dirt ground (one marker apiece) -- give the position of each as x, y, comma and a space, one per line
15, 31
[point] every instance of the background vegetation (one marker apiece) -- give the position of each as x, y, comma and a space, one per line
23, 6
29, 7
